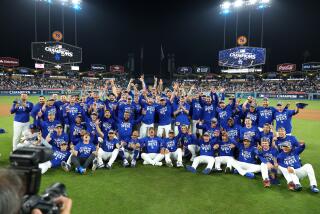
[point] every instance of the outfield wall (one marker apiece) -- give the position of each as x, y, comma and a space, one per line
289, 96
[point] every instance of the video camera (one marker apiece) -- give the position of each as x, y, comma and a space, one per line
25, 162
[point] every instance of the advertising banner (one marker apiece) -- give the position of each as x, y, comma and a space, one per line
19, 92
242, 57
98, 67
311, 66
184, 70
9, 62
202, 69
56, 53
283, 96
286, 67
117, 69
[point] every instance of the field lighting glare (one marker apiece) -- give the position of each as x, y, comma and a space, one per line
238, 3
225, 5
76, 2
265, 1
252, 2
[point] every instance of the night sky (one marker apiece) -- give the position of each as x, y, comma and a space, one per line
191, 29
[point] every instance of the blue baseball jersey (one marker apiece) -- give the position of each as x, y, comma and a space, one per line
291, 159
247, 155
269, 155
208, 112
251, 133
149, 117
268, 135
164, 114
225, 147
47, 126
196, 109
50, 110
233, 132
109, 145
71, 112
57, 140
171, 144
152, 144
35, 110
206, 148
182, 118
58, 156
253, 116
125, 129
75, 133
108, 124
292, 140
22, 114
134, 142
283, 119
265, 115
84, 150
187, 139
224, 114
208, 128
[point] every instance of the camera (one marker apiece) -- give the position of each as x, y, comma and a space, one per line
25, 162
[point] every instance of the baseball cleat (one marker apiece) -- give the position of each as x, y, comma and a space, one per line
94, 165
81, 170
227, 170
169, 164
298, 187
191, 169
266, 183
250, 175
291, 186
179, 164
275, 182
158, 164
314, 189
125, 163
108, 166
66, 167
217, 170
235, 172
133, 163
206, 171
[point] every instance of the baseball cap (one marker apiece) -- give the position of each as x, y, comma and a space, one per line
246, 139
171, 131
279, 104
163, 98
206, 134
265, 99
94, 113
51, 99
111, 132
79, 115
265, 139
285, 144
214, 120
63, 143
221, 101
253, 105
59, 126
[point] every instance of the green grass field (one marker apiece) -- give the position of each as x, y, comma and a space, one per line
147, 189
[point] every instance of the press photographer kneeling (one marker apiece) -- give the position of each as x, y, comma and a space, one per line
19, 185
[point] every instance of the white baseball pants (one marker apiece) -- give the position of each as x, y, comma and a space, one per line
103, 156
144, 129
223, 160
161, 129
203, 159
45, 166
152, 158
304, 171
18, 128
177, 155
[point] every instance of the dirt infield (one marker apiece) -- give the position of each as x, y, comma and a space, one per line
306, 114
4, 110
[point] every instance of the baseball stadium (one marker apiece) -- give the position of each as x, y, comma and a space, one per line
159, 106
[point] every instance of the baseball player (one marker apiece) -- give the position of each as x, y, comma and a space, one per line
268, 156
132, 150
151, 149
21, 110
172, 150
30, 137
181, 112
47, 126
265, 114
210, 129
224, 112
250, 112
107, 122
267, 133
76, 129
59, 155
189, 142
206, 155
164, 112
250, 132
196, 113
291, 168
49, 108
148, 116
233, 130
209, 107
283, 117
37, 107
225, 153
57, 137
83, 154
283, 137
246, 165
109, 149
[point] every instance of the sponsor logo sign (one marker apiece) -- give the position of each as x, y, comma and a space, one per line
9, 62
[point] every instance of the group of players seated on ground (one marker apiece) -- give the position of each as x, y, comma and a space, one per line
92, 131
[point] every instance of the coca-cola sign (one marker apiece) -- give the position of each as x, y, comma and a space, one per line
9, 62
117, 69
286, 67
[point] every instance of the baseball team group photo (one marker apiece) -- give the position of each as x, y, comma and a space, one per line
159, 107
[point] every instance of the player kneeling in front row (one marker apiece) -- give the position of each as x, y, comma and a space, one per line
131, 150
172, 150
226, 149
109, 149
246, 165
268, 157
83, 154
290, 166
206, 155
151, 149
58, 156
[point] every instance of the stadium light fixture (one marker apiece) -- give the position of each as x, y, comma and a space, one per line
226, 5
238, 3
252, 2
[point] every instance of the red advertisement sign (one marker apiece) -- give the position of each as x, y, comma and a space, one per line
9, 62
117, 69
286, 67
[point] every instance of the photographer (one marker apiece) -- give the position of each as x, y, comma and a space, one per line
11, 193
21, 108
